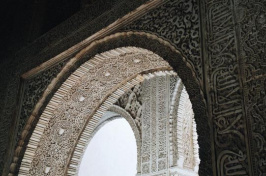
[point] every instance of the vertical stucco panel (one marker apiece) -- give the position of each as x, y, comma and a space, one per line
251, 27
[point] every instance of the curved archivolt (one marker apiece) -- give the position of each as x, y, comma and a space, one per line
111, 78
94, 86
160, 114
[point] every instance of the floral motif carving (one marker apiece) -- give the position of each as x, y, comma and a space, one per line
131, 102
33, 90
178, 22
78, 102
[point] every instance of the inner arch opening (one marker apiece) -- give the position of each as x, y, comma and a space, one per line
111, 152
159, 109
130, 67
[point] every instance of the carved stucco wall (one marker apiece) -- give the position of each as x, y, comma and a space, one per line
228, 40
168, 91
54, 42
82, 99
151, 101
142, 40
157, 133
251, 28
235, 65
177, 22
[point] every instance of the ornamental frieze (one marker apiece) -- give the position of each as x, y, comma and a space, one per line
224, 89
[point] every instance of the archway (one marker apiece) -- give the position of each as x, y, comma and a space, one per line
160, 111
172, 56
113, 113
112, 151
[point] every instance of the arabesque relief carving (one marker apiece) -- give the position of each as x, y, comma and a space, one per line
224, 42
225, 94
251, 19
33, 90
157, 94
178, 22
74, 100
131, 103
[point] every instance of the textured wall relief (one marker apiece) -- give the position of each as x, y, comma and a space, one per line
187, 134
155, 102
167, 128
77, 103
251, 17
177, 21
226, 105
33, 90
131, 102
168, 132
146, 127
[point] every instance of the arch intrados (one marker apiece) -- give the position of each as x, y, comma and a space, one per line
158, 46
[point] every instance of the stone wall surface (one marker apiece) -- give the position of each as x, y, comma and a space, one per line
224, 41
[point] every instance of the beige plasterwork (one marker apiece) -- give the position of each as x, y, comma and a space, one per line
99, 82
51, 88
